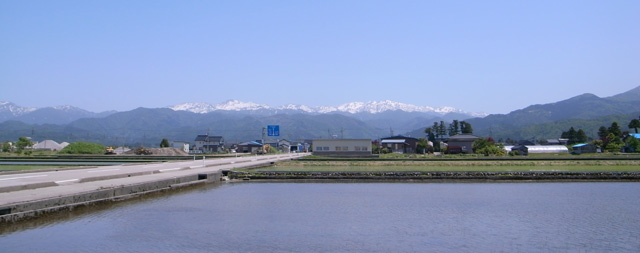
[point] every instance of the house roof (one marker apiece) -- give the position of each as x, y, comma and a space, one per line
250, 143
464, 137
635, 135
208, 138
399, 137
580, 145
393, 141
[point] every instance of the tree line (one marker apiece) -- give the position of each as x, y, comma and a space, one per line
440, 129
611, 138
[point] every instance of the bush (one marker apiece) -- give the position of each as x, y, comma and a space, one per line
83, 148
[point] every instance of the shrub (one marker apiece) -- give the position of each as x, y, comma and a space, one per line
83, 148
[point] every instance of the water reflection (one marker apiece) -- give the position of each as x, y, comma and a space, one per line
397, 217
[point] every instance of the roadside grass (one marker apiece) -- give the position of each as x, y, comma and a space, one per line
13, 167
451, 168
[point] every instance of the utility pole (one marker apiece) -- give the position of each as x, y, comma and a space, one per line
264, 129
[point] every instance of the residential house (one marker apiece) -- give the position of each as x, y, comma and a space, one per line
462, 143
252, 147
342, 147
209, 144
283, 145
584, 148
400, 144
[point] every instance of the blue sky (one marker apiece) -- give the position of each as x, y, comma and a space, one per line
479, 56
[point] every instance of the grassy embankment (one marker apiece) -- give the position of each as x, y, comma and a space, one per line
418, 163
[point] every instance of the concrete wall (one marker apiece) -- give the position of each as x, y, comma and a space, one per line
16, 212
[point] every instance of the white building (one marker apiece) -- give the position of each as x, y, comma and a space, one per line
542, 149
342, 147
182, 145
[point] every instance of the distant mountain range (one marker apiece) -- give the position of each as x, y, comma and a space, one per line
242, 121
47, 115
586, 111
372, 107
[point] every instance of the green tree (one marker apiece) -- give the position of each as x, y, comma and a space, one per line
23, 142
454, 128
487, 147
6, 146
574, 136
442, 129
635, 124
164, 143
598, 143
614, 143
581, 136
465, 127
603, 132
633, 143
422, 146
615, 129
570, 135
431, 135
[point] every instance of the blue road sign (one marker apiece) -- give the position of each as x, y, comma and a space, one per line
273, 130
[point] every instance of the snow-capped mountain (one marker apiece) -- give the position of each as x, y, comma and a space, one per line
372, 107
13, 110
231, 105
53, 115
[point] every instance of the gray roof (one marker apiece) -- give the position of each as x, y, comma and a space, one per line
463, 137
208, 138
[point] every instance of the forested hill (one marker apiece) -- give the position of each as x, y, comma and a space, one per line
585, 111
545, 121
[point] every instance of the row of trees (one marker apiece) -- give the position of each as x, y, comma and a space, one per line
18, 147
439, 129
611, 138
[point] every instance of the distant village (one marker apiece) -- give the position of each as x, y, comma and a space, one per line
336, 147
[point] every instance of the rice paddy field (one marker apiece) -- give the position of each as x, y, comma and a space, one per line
451, 165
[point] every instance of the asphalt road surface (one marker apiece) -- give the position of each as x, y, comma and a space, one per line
31, 185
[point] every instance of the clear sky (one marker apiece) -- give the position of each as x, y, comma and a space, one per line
479, 56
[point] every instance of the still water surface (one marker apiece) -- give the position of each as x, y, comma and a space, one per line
357, 217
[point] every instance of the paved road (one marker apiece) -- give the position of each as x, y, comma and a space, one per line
32, 180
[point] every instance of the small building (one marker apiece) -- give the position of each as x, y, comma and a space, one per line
541, 149
400, 144
462, 141
182, 145
47, 145
209, 144
283, 145
584, 148
252, 147
342, 147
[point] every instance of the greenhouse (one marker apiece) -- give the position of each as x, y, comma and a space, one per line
542, 149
